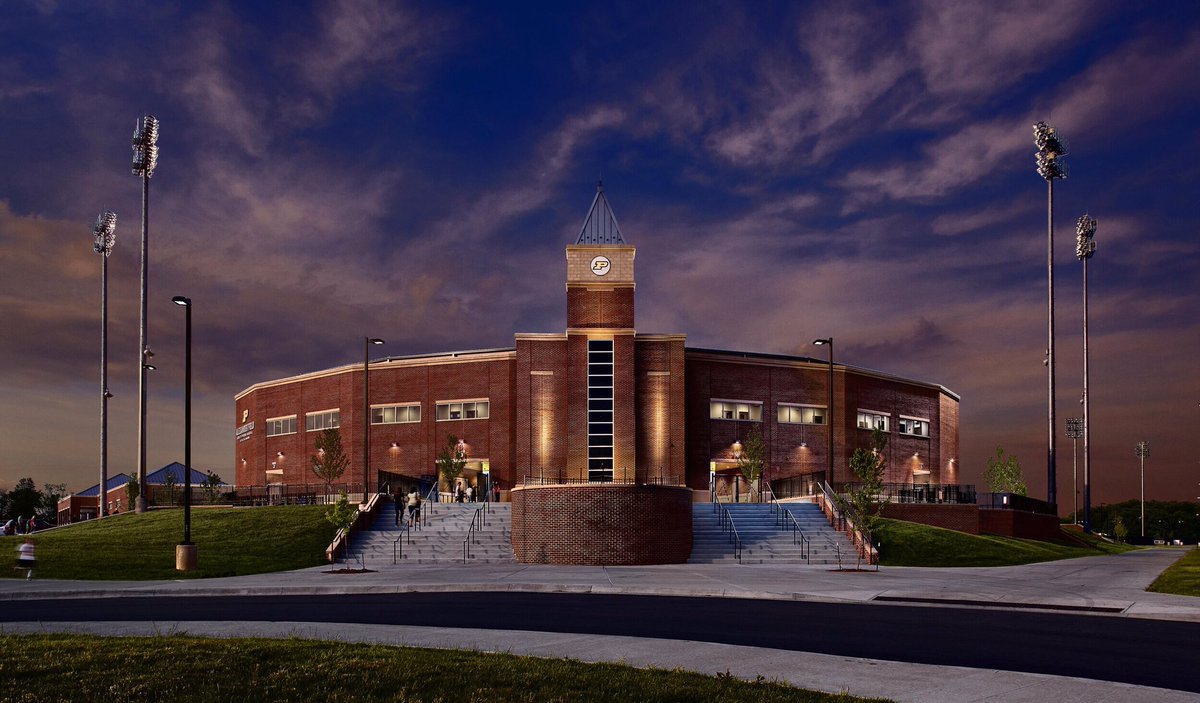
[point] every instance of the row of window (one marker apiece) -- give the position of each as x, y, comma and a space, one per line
600, 409
380, 415
796, 414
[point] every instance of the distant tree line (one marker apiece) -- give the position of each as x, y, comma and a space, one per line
25, 501
1165, 520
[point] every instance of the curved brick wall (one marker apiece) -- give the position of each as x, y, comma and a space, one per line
602, 525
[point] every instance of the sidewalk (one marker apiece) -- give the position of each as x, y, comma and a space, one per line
1106, 586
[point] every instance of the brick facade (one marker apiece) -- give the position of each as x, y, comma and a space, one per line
610, 525
537, 426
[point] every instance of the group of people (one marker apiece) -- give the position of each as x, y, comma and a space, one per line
19, 526
411, 502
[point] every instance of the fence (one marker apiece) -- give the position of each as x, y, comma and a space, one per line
1012, 501
623, 477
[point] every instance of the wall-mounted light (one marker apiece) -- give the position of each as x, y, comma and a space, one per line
279, 454
395, 446
804, 445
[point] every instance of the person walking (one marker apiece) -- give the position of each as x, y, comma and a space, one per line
495, 491
414, 506
27, 557
398, 499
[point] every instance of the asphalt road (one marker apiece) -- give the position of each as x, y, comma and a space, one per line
1129, 650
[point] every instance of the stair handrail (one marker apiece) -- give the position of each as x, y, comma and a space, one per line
428, 499
405, 531
805, 541
851, 522
734, 537
471, 537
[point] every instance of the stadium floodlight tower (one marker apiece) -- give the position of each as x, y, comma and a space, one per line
105, 232
1085, 247
1074, 433
145, 158
1050, 150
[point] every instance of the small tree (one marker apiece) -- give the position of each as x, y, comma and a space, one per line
451, 461
211, 485
170, 482
133, 489
330, 461
1119, 529
868, 466
752, 461
1003, 474
342, 515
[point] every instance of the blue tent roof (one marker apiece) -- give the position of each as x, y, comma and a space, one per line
113, 482
176, 469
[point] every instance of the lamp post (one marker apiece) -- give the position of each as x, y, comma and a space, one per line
367, 342
1074, 432
820, 342
145, 158
1085, 247
1051, 149
105, 232
1143, 450
185, 552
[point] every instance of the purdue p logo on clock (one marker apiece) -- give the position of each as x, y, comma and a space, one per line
601, 265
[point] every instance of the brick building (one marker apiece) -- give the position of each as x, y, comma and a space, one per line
599, 402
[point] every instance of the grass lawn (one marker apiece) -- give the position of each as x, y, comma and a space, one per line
230, 541
912, 544
1182, 578
113, 669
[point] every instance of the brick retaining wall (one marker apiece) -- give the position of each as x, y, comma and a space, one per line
963, 518
602, 525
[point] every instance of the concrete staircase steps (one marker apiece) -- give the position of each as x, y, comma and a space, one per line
438, 542
763, 541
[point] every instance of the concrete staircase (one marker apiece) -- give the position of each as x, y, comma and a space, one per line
763, 542
439, 542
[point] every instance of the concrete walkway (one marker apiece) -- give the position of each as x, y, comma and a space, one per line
1106, 586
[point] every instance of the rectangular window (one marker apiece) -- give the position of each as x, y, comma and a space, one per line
281, 425
463, 410
600, 409
871, 420
735, 410
914, 426
801, 414
323, 420
395, 414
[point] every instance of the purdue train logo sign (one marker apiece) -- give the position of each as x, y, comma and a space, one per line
601, 265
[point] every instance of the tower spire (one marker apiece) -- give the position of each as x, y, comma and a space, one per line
600, 226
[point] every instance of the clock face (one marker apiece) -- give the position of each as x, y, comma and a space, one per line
601, 265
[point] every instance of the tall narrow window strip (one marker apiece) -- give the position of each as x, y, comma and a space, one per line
600, 407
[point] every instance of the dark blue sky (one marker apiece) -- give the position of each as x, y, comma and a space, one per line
787, 171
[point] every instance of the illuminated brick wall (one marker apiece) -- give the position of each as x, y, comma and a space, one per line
610, 525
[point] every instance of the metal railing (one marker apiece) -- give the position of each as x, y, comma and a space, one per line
852, 523
480, 519
727, 525
291, 494
788, 521
1013, 501
626, 478
962, 494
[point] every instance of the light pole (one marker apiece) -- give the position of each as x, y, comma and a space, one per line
1143, 450
1074, 432
105, 232
145, 158
185, 552
1051, 149
820, 342
1085, 247
367, 342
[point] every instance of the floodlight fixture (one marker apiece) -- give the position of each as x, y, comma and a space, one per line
1085, 243
105, 232
145, 146
1074, 427
1051, 147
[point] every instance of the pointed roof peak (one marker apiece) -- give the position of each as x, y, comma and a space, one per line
600, 226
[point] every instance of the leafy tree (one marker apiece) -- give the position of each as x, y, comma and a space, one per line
1119, 529
133, 489
1003, 474
868, 466
24, 500
169, 481
451, 461
752, 461
211, 485
330, 461
51, 494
